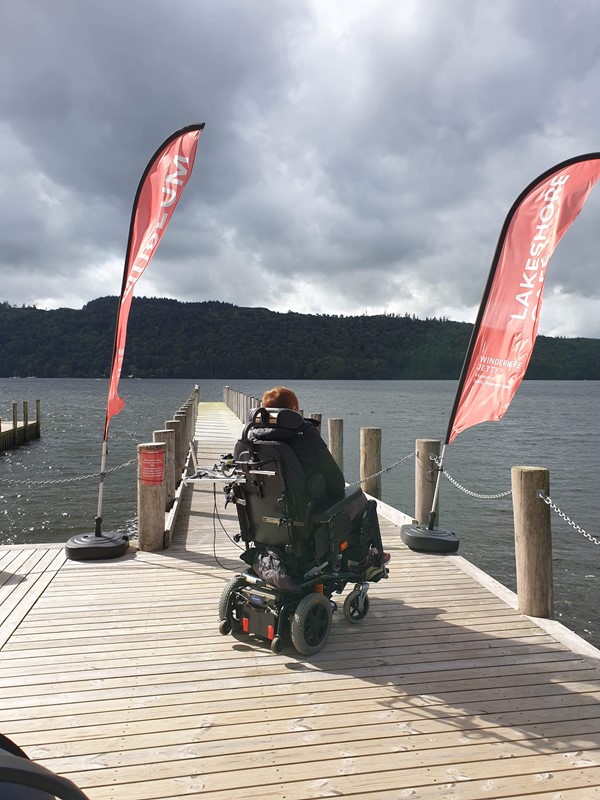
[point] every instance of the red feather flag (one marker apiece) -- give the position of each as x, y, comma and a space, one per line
158, 193
506, 327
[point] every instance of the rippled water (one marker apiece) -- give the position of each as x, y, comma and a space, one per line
549, 424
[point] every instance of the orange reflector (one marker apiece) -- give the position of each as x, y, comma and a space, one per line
343, 546
270, 631
245, 624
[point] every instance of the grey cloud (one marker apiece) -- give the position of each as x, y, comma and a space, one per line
366, 164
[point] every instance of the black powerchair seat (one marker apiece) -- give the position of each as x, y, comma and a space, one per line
298, 554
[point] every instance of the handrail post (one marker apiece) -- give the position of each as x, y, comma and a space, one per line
533, 541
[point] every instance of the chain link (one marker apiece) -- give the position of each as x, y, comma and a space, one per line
382, 471
438, 461
541, 494
68, 480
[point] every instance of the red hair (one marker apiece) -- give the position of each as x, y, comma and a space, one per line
280, 397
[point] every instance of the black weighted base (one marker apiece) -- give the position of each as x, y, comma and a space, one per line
89, 546
434, 540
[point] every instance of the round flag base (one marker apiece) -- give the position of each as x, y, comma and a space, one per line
429, 540
89, 546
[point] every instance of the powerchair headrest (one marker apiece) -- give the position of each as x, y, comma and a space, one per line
283, 418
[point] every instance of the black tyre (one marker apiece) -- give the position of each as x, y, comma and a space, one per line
311, 623
226, 613
354, 610
224, 627
276, 644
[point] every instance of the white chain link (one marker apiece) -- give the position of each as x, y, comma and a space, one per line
554, 507
497, 496
68, 480
382, 471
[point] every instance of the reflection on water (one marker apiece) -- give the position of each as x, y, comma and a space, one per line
550, 424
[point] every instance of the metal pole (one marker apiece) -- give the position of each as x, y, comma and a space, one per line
436, 494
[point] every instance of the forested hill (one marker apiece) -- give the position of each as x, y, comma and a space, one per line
170, 339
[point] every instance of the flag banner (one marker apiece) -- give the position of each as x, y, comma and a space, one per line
158, 192
506, 327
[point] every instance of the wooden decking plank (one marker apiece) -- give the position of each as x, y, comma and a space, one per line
130, 722
345, 775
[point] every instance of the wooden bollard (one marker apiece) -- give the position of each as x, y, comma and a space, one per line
185, 442
425, 478
168, 437
151, 496
533, 541
15, 424
335, 429
38, 419
25, 421
176, 425
370, 460
318, 418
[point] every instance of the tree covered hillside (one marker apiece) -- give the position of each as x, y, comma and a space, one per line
170, 339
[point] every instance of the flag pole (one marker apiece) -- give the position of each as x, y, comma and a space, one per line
157, 195
436, 493
98, 518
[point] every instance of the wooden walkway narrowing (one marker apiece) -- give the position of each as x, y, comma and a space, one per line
114, 674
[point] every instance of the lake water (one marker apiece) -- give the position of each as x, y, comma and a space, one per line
549, 424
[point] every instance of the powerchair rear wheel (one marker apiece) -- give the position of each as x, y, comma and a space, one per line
311, 623
228, 616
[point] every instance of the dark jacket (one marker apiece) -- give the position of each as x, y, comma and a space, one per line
324, 479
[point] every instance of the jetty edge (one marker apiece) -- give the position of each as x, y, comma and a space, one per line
16, 432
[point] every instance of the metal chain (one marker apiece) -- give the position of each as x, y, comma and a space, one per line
541, 494
69, 480
382, 471
452, 480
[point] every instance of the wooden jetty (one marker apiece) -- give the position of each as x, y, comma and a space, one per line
20, 431
114, 675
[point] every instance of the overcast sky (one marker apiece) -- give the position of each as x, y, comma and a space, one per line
358, 157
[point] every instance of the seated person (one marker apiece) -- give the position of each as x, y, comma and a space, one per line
314, 457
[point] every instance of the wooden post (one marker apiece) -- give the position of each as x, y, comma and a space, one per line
151, 496
175, 425
168, 437
38, 419
25, 421
425, 477
180, 415
533, 541
15, 428
370, 460
318, 418
335, 429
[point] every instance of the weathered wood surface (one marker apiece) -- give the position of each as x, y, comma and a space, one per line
114, 674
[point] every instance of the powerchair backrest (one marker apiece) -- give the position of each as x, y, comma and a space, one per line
276, 502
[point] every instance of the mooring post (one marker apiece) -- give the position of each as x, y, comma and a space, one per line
318, 418
168, 437
425, 479
176, 425
370, 461
533, 541
335, 429
151, 496
25, 421
38, 419
15, 423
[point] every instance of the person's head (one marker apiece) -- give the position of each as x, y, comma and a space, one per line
280, 397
